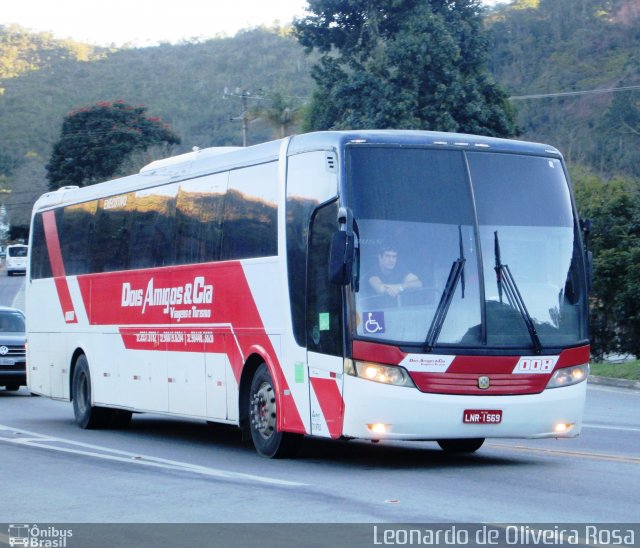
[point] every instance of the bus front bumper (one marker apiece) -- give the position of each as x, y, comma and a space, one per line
376, 411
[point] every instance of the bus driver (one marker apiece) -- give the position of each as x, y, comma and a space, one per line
389, 280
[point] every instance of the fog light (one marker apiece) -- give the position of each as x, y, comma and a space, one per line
378, 428
562, 427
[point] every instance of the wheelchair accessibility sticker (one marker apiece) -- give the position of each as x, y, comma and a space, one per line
374, 322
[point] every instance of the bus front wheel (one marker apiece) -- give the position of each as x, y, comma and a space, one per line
263, 417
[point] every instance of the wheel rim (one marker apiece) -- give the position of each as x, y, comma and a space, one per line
263, 411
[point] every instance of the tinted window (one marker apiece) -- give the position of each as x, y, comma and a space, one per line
198, 219
250, 224
110, 244
417, 204
179, 223
520, 190
310, 182
324, 301
17, 251
151, 227
398, 184
40, 265
76, 227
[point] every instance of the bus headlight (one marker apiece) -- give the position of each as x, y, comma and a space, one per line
567, 376
385, 374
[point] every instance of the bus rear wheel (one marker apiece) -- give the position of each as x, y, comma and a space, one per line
461, 446
86, 414
263, 418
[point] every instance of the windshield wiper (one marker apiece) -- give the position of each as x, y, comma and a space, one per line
456, 275
508, 285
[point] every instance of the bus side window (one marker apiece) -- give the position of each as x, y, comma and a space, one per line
312, 179
324, 299
198, 219
40, 264
250, 225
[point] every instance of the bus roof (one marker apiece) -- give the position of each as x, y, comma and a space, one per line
209, 160
418, 138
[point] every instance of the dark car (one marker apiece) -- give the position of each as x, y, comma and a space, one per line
13, 370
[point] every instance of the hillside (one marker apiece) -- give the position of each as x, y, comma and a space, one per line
556, 47
538, 47
182, 84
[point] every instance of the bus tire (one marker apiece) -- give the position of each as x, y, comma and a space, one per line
470, 445
86, 414
263, 418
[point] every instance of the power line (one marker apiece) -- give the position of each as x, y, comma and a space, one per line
571, 93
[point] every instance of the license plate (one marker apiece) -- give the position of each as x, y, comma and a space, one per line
7, 361
482, 416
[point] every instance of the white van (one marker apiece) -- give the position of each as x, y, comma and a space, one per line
17, 259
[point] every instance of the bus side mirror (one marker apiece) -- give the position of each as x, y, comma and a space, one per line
341, 258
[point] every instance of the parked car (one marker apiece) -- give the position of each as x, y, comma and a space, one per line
16, 262
13, 361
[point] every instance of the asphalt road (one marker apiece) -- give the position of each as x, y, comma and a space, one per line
11, 289
167, 470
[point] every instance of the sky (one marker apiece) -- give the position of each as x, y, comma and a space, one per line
146, 22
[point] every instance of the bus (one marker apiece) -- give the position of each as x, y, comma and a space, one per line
16, 259
235, 286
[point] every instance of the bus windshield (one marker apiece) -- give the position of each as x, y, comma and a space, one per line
465, 249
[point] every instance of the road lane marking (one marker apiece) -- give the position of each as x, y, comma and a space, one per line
606, 427
563, 453
33, 439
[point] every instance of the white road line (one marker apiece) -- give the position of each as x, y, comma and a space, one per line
605, 427
33, 439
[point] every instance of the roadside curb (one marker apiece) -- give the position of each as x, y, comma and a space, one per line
618, 383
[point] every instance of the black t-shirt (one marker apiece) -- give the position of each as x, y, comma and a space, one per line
396, 276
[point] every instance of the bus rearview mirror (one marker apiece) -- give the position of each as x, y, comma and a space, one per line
341, 258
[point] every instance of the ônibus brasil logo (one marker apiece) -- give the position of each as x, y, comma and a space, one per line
38, 537
191, 294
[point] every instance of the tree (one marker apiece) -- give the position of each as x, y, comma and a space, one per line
282, 114
417, 64
96, 141
5, 227
614, 209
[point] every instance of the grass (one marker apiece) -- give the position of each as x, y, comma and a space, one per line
627, 370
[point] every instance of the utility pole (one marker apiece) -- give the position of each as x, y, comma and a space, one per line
244, 95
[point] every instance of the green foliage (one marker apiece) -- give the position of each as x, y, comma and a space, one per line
556, 46
414, 64
22, 51
614, 209
282, 113
183, 84
96, 141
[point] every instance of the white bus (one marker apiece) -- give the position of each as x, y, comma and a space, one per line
16, 259
238, 287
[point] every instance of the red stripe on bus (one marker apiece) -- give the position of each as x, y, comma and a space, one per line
331, 404
212, 295
57, 266
376, 352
